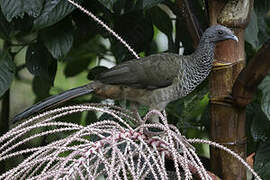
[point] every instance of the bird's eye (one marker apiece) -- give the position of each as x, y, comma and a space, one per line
220, 32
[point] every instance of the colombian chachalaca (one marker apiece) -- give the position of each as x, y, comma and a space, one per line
154, 80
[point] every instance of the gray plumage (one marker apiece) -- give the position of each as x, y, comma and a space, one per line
169, 76
144, 73
155, 80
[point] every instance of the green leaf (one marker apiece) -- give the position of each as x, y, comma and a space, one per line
116, 5
90, 118
139, 38
251, 32
17, 8
262, 11
39, 62
58, 39
52, 12
250, 51
22, 27
184, 36
188, 111
120, 5
41, 88
94, 72
7, 71
196, 102
161, 20
108, 4
81, 56
262, 160
5, 27
76, 66
150, 3
259, 128
265, 101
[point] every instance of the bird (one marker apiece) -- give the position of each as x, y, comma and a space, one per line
154, 80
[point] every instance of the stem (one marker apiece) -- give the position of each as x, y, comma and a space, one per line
5, 111
191, 21
4, 126
182, 9
4, 122
250, 77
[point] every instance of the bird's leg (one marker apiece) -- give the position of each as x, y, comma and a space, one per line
146, 131
154, 118
123, 103
123, 100
134, 108
150, 132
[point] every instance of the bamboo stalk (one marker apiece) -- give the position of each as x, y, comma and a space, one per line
228, 121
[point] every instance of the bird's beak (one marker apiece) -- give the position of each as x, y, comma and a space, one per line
233, 37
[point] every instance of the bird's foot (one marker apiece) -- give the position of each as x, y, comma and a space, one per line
134, 108
152, 132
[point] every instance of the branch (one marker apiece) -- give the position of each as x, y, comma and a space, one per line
191, 20
250, 77
182, 8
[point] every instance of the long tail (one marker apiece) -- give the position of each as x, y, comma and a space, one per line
53, 101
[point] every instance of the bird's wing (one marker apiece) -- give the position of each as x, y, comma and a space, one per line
150, 72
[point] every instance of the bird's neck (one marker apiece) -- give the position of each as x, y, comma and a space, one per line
198, 68
204, 54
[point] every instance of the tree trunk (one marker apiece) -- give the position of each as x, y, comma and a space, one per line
228, 121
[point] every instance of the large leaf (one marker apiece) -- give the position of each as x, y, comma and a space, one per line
184, 36
108, 3
5, 27
150, 3
14, 8
188, 110
39, 62
41, 88
94, 72
162, 20
77, 66
116, 5
58, 39
262, 160
136, 29
7, 71
196, 102
52, 12
259, 123
261, 9
81, 56
265, 88
251, 32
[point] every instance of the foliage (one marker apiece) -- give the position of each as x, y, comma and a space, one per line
7, 71
262, 164
55, 33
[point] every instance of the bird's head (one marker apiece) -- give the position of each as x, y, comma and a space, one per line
217, 33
